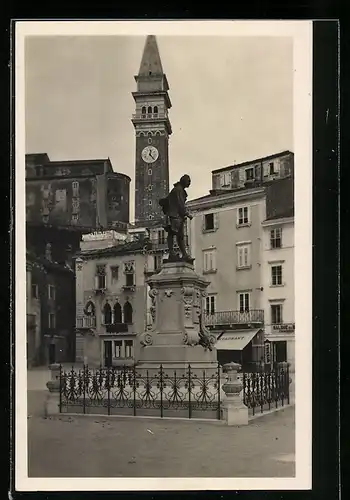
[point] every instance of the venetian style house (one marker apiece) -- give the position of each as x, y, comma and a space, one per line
278, 283
112, 300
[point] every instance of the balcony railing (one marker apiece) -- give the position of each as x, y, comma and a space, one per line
147, 116
226, 318
86, 322
117, 328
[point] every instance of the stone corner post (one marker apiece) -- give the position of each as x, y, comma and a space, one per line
52, 403
235, 412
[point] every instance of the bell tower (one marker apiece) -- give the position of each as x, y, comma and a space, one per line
152, 131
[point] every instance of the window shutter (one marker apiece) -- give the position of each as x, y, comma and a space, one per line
203, 222
214, 260
266, 170
96, 282
216, 221
245, 260
241, 175
239, 251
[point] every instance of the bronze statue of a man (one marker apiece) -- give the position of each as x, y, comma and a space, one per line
174, 209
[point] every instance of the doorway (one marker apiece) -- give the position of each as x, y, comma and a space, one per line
108, 353
52, 354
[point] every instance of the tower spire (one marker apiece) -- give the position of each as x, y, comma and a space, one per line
151, 63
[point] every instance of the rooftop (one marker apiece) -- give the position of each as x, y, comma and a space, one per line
257, 160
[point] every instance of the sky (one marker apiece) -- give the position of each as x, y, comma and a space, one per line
232, 100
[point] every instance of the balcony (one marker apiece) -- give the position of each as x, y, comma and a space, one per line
117, 328
226, 319
147, 116
86, 322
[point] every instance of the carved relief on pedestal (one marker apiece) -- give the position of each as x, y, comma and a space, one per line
146, 339
153, 294
188, 300
191, 338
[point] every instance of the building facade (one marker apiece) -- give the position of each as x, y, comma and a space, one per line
86, 194
278, 283
152, 132
50, 310
226, 237
225, 240
33, 315
111, 301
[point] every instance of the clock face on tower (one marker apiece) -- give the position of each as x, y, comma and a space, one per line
150, 154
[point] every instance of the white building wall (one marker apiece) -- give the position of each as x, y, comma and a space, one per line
279, 294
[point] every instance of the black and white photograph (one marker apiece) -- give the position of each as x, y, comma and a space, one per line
163, 255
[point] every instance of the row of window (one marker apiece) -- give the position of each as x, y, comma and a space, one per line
101, 275
243, 262
51, 291
120, 348
244, 306
210, 223
149, 110
117, 314
248, 174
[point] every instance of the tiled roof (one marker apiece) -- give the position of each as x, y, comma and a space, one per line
122, 249
257, 160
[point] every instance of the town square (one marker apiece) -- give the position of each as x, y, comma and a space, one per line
160, 257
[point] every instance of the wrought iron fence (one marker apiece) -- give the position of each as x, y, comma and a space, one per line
187, 393
264, 390
123, 390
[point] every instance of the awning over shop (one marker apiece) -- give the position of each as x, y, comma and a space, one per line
235, 341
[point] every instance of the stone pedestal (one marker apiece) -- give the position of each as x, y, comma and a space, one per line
52, 401
234, 410
178, 337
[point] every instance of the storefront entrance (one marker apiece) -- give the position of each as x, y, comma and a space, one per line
107, 353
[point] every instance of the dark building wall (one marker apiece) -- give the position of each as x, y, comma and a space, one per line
63, 306
65, 201
280, 198
118, 202
64, 243
85, 194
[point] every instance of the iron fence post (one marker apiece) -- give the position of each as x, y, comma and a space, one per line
161, 390
60, 396
108, 375
85, 368
189, 392
219, 393
134, 390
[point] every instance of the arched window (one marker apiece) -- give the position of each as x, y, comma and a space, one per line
89, 309
149, 109
127, 313
155, 110
117, 313
107, 314
143, 111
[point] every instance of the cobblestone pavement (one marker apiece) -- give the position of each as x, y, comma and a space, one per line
126, 447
